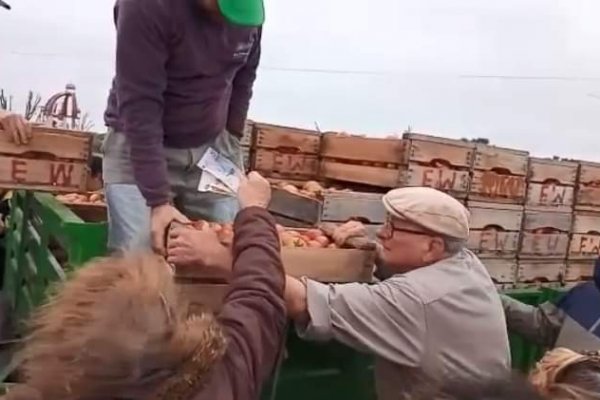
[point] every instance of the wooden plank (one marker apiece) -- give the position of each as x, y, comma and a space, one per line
295, 207
51, 144
584, 246
285, 165
435, 150
502, 271
357, 148
367, 175
286, 139
540, 220
589, 173
579, 271
548, 170
499, 159
341, 207
324, 265
588, 198
550, 196
43, 175
496, 187
586, 223
493, 243
488, 215
546, 245
291, 223
530, 271
450, 180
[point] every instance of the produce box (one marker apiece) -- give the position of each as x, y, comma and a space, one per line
579, 270
499, 175
305, 253
284, 152
494, 230
585, 237
357, 159
502, 271
545, 235
588, 187
551, 184
440, 163
55, 160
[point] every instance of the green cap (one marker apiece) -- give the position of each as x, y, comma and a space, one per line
243, 12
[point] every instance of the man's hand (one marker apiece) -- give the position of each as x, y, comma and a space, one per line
16, 126
160, 218
254, 191
189, 247
348, 230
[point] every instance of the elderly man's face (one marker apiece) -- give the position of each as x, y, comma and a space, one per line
406, 246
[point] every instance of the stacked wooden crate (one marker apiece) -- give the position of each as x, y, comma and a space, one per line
361, 160
547, 222
585, 236
340, 207
285, 153
496, 200
443, 164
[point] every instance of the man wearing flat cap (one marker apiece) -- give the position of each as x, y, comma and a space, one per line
436, 316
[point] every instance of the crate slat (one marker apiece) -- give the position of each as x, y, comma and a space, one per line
579, 271
502, 271
295, 207
533, 271
275, 164
363, 174
51, 144
550, 196
427, 149
362, 149
493, 158
547, 170
286, 139
455, 182
494, 229
496, 187
344, 206
43, 175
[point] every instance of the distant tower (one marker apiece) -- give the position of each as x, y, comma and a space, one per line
61, 110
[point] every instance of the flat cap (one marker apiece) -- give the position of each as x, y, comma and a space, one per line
430, 208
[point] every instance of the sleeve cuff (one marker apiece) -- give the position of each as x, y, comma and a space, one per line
319, 326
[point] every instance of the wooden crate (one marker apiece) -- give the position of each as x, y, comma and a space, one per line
441, 163
585, 237
294, 210
545, 235
494, 229
578, 271
280, 165
551, 184
286, 139
357, 159
499, 175
588, 187
344, 206
502, 271
324, 265
540, 271
55, 160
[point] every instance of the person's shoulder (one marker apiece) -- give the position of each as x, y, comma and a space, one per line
459, 274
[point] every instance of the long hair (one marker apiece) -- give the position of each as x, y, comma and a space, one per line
117, 328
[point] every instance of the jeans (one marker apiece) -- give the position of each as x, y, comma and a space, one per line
128, 214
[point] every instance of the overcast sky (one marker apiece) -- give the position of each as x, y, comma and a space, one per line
417, 63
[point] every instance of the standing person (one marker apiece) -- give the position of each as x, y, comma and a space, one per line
438, 315
573, 322
184, 76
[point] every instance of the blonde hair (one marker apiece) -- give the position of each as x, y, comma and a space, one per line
567, 375
117, 327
